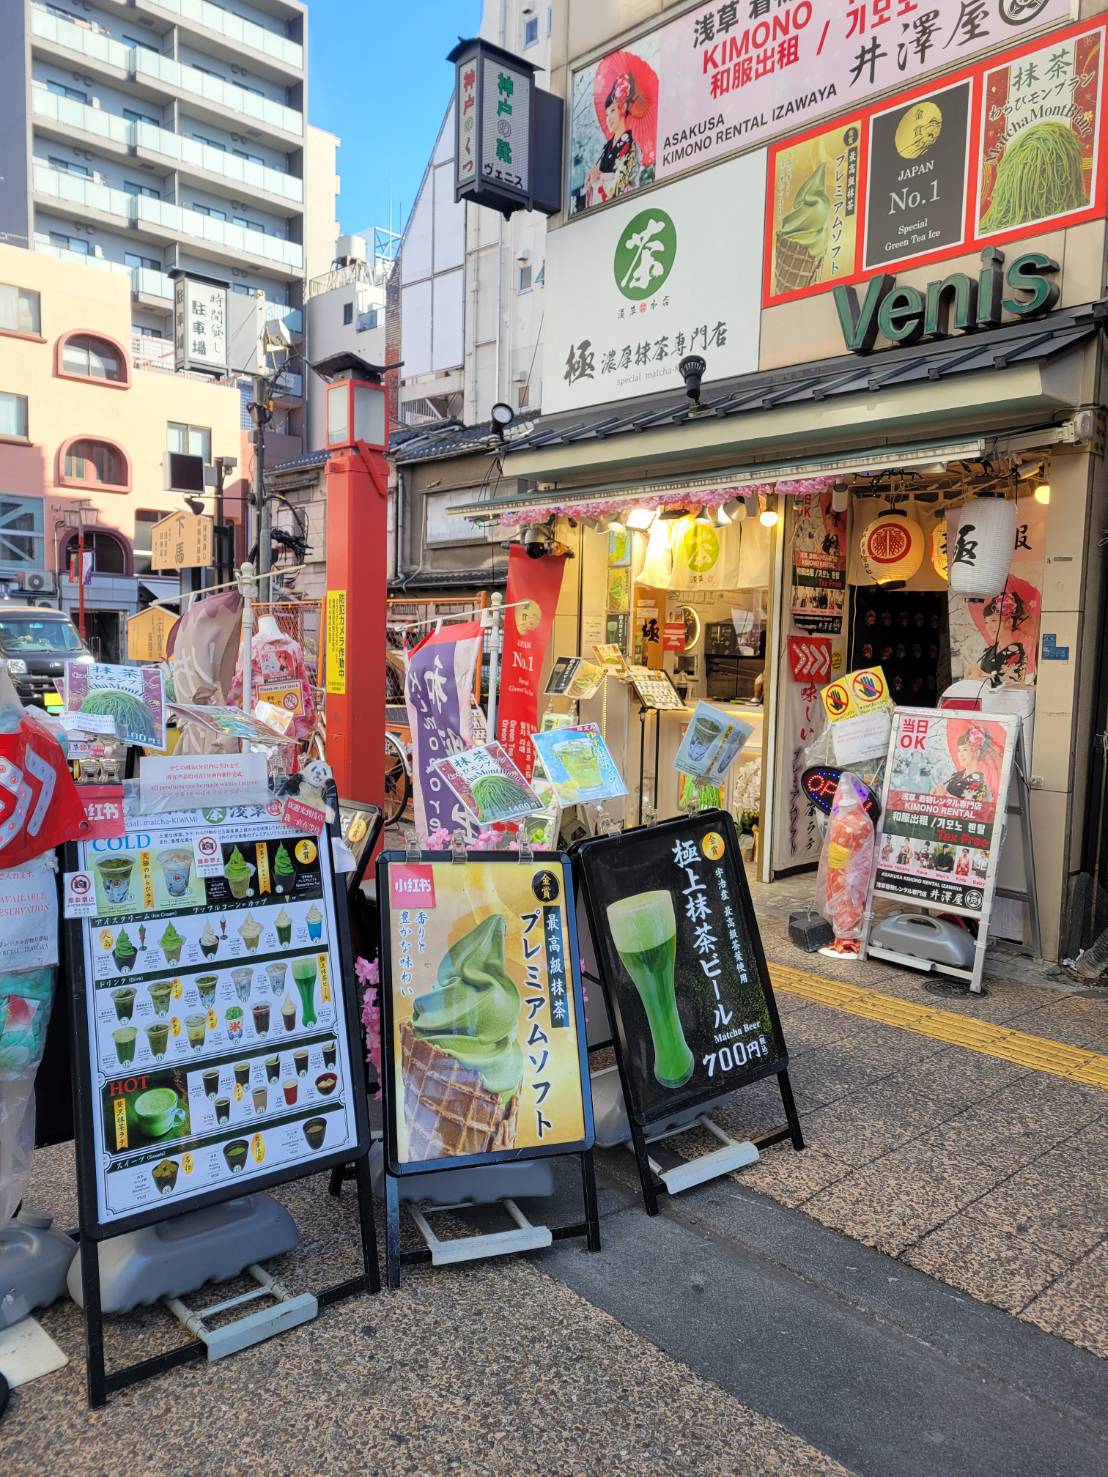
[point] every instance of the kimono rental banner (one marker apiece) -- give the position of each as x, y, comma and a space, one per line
724, 76
437, 695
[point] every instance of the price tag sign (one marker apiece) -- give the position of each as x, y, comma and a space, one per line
208, 856
79, 895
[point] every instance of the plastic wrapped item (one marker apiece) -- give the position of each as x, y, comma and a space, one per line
26, 997
203, 646
278, 660
844, 866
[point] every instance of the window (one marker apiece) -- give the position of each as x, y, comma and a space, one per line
246, 87
248, 225
60, 89
210, 211
133, 259
208, 71
13, 414
145, 518
531, 31
549, 19
525, 279
109, 555
523, 397
21, 539
71, 243
212, 143
67, 166
541, 275
253, 158
138, 41
191, 440
242, 288
92, 358
144, 332
133, 117
96, 462
20, 310
347, 313
134, 187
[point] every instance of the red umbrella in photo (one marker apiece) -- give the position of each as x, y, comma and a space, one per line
632, 86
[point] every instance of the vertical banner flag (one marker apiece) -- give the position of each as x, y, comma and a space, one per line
437, 693
532, 595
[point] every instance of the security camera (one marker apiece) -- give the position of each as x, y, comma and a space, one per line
536, 541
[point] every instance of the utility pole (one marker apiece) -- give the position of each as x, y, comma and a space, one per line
260, 413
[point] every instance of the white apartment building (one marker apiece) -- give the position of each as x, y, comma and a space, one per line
163, 134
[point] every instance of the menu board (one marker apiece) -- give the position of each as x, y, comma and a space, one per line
482, 1013
654, 689
681, 962
215, 1035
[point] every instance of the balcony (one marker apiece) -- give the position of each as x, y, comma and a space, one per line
292, 317
193, 157
158, 71
221, 236
64, 116
88, 41
85, 194
75, 258
237, 31
146, 282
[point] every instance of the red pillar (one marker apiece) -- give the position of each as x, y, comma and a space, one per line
357, 542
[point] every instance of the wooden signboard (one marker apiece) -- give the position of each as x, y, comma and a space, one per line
148, 633
182, 541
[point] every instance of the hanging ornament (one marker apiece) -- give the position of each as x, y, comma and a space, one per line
980, 547
892, 547
938, 550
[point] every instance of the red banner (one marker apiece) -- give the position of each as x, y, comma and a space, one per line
535, 584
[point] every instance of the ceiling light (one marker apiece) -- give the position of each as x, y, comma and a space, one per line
768, 514
640, 518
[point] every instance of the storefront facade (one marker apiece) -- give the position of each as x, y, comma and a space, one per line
929, 351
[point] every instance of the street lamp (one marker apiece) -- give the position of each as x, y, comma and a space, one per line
80, 516
357, 505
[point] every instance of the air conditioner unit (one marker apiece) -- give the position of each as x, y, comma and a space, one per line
184, 472
37, 582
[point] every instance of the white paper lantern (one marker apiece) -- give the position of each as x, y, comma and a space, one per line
892, 547
979, 547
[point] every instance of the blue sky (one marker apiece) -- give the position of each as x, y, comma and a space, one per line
379, 79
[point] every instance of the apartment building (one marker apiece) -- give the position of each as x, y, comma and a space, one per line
170, 134
83, 427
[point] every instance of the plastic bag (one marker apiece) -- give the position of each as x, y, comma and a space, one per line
26, 998
278, 660
842, 881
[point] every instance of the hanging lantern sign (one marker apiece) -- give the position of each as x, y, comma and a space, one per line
938, 550
983, 540
892, 547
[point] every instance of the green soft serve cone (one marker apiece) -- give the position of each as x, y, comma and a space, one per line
804, 235
474, 1012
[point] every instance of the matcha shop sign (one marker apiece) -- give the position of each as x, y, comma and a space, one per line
957, 303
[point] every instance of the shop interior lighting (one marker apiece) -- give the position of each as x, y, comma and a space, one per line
1042, 492
840, 497
768, 514
641, 518
734, 507
615, 525
722, 517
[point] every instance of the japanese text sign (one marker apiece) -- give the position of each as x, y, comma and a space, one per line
482, 1018
681, 962
199, 325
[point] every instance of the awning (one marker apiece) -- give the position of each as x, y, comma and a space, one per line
735, 480
1020, 375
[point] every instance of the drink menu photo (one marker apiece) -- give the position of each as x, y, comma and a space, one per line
216, 1028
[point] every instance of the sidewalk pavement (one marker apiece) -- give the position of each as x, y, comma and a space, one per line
976, 1169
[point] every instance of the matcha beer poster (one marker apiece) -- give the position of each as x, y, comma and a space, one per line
681, 962
483, 1035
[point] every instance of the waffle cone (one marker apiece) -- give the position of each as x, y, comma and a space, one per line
448, 1110
793, 266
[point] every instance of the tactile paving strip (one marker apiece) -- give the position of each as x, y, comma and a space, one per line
1076, 1063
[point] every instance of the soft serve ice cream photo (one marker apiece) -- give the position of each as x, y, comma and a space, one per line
484, 1019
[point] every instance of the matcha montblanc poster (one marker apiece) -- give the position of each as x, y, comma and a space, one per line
681, 962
